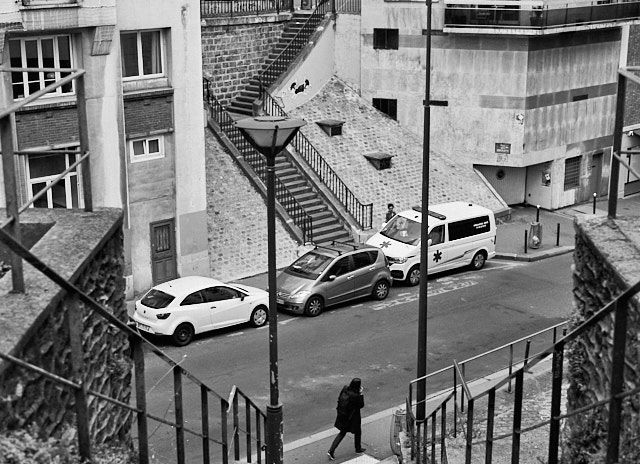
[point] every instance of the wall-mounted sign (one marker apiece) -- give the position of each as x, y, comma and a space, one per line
503, 148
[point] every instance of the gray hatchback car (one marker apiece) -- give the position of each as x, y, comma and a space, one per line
332, 274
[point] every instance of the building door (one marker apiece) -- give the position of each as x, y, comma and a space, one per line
163, 251
595, 180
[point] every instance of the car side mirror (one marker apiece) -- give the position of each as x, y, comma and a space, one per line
429, 242
331, 278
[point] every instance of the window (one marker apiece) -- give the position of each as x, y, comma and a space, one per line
387, 106
142, 54
194, 298
364, 258
469, 227
385, 39
341, 267
571, 173
219, 294
40, 52
42, 170
146, 148
437, 235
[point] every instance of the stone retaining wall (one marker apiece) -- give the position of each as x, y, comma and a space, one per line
606, 260
86, 249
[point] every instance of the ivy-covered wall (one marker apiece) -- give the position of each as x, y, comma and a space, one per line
607, 257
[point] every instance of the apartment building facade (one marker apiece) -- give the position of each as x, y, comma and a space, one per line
143, 81
524, 92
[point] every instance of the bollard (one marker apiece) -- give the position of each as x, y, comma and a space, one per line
558, 235
595, 195
537, 213
525, 241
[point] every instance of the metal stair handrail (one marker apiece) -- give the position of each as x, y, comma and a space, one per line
619, 308
297, 213
362, 213
281, 63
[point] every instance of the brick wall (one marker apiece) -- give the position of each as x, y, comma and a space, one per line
146, 113
606, 257
47, 125
233, 53
29, 399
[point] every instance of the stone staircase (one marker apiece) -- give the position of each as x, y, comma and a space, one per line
242, 105
326, 225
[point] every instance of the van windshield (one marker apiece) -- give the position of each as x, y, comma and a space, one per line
309, 265
402, 229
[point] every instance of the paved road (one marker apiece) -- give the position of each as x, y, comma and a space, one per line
468, 313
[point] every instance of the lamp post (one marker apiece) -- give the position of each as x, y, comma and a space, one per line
269, 135
421, 393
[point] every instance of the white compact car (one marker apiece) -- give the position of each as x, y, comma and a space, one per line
187, 306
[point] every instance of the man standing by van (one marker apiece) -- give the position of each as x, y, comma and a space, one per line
390, 212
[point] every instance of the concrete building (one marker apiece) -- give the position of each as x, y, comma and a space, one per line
145, 120
526, 94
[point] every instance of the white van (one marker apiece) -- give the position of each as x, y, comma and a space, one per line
460, 234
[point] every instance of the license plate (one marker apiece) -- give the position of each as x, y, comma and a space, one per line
146, 328
279, 301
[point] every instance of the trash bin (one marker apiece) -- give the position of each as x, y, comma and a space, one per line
535, 235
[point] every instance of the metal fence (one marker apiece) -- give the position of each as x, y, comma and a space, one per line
223, 421
215, 8
444, 418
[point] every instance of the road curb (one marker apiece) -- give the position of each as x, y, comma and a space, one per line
535, 256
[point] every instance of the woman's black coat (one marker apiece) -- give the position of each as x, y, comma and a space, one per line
351, 424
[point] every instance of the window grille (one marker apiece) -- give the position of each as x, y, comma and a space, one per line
572, 173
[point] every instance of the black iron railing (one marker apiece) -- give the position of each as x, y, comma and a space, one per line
257, 161
529, 16
216, 428
362, 213
443, 419
222, 424
281, 63
215, 8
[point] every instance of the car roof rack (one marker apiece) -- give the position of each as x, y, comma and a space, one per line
338, 242
324, 247
442, 217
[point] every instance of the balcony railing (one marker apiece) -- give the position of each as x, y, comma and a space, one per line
511, 14
214, 8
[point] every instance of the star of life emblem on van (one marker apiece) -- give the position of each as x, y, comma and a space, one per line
385, 244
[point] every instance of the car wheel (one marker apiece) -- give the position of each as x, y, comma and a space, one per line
183, 334
259, 316
413, 276
314, 306
381, 290
478, 261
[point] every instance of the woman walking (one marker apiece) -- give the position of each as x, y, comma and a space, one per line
350, 402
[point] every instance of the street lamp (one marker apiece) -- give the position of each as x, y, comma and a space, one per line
269, 135
421, 393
